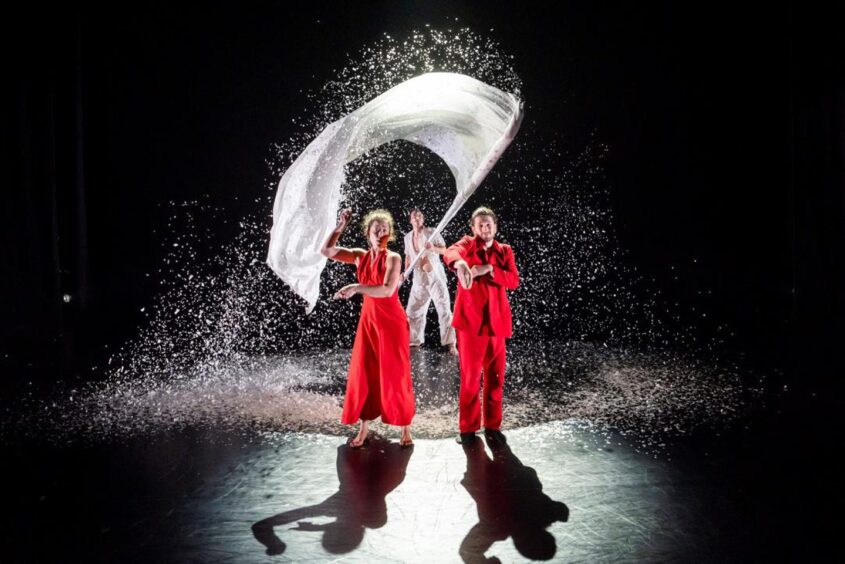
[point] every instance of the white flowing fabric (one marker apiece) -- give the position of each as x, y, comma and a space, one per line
466, 122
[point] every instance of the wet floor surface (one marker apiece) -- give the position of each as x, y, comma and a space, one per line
620, 459
551, 492
648, 397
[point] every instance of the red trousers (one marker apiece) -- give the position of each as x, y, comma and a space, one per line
481, 353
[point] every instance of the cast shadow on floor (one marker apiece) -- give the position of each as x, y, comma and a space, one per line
511, 503
366, 476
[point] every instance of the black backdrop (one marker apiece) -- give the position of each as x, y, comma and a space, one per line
724, 125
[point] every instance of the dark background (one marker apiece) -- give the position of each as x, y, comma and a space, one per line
724, 125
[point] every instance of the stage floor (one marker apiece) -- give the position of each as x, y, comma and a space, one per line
761, 486
551, 493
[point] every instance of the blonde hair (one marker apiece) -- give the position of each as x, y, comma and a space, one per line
378, 215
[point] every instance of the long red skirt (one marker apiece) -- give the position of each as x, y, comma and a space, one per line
379, 379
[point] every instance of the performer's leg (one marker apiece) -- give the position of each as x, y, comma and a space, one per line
440, 295
397, 390
372, 405
405, 439
358, 380
494, 379
471, 348
361, 437
417, 309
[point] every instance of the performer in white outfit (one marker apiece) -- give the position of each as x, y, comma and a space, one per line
429, 283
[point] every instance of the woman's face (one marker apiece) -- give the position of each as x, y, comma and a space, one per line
379, 231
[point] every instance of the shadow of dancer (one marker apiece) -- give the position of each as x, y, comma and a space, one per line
511, 503
366, 476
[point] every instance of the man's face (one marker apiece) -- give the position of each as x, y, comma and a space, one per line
417, 219
484, 228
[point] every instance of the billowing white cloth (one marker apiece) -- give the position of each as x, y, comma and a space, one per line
464, 121
427, 287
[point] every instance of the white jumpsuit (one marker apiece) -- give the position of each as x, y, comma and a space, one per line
428, 286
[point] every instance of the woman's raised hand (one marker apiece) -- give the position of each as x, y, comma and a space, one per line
343, 218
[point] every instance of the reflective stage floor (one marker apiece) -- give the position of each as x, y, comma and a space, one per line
764, 486
197, 497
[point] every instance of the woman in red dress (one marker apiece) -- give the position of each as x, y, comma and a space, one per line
379, 381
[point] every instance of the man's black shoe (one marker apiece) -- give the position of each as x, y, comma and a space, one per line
495, 437
465, 438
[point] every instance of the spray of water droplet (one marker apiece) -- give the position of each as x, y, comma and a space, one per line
227, 345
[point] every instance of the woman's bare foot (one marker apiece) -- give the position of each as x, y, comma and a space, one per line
406, 439
361, 437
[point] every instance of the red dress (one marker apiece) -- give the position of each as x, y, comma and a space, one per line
379, 380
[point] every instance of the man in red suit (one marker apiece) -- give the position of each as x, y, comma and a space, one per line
482, 318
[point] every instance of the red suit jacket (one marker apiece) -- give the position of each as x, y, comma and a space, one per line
487, 289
